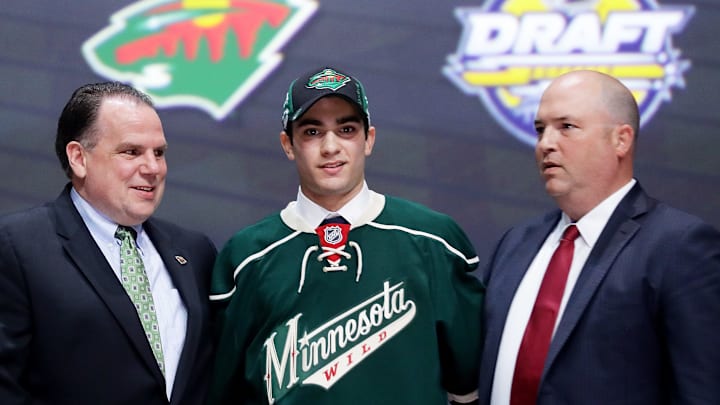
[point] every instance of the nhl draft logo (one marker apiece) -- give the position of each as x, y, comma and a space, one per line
207, 54
511, 49
327, 79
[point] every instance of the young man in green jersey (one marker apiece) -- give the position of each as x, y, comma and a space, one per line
346, 296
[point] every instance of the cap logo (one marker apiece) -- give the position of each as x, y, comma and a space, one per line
327, 79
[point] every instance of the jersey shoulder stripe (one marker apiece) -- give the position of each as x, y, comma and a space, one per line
468, 260
246, 246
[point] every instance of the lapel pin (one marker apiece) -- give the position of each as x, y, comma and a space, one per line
180, 259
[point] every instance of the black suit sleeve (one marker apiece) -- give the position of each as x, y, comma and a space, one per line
15, 325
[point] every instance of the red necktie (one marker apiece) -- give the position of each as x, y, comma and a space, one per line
538, 333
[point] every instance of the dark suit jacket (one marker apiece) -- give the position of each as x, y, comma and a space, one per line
642, 324
69, 334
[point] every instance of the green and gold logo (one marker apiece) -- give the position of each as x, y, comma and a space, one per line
208, 54
327, 79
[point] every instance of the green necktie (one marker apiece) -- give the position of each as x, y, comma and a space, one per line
136, 284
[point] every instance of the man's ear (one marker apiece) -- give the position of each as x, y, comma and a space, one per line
370, 141
624, 138
286, 143
76, 157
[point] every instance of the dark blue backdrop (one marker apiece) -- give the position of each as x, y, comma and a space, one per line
435, 144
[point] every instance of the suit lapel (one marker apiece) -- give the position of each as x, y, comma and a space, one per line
614, 238
181, 271
89, 260
503, 283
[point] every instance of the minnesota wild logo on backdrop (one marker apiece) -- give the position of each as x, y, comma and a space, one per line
208, 54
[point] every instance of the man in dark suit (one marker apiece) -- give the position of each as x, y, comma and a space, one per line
70, 333
635, 316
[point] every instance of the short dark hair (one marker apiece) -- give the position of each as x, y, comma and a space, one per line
77, 120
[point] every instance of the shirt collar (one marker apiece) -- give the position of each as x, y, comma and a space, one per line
592, 224
314, 214
101, 227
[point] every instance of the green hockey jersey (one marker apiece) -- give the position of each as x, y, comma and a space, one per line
383, 312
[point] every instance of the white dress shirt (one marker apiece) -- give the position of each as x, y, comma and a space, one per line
169, 307
590, 226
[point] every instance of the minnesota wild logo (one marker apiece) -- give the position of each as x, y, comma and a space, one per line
208, 54
327, 79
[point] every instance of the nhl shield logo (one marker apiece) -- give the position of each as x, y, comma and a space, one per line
333, 235
208, 54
